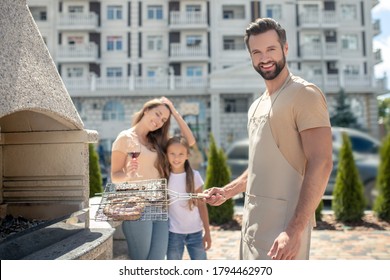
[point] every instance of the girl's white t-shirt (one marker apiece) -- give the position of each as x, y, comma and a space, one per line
181, 218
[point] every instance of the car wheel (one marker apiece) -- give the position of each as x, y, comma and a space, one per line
370, 193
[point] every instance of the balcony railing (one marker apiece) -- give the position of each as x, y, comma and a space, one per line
323, 18
316, 50
335, 82
377, 27
83, 52
378, 56
78, 20
178, 50
178, 18
93, 83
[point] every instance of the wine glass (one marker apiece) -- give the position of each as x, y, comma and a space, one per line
134, 150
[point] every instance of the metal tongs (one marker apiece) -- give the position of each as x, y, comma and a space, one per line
176, 196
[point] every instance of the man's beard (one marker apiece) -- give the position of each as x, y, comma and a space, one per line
273, 74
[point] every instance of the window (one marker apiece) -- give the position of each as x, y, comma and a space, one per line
351, 69
114, 12
114, 72
228, 14
311, 38
113, 111
349, 42
75, 9
233, 43
332, 67
151, 72
193, 40
194, 71
236, 105
72, 72
154, 43
193, 8
233, 12
155, 12
274, 11
75, 40
114, 43
39, 13
348, 12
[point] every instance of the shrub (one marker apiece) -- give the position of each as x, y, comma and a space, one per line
382, 202
319, 210
217, 175
95, 176
348, 195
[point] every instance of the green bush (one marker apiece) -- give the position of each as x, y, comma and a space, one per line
218, 175
95, 176
382, 202
348, 195
319, 210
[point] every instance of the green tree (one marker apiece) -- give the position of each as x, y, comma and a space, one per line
343, 115
95, 176
348, 195
217, 175
382, 202
384, 113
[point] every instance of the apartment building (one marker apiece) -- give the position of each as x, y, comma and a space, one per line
113, 55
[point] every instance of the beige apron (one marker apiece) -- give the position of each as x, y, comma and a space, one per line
271, 195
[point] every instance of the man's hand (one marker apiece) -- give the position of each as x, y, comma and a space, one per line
285, 247
215, 196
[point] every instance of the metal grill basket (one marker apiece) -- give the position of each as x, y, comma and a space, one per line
151, 194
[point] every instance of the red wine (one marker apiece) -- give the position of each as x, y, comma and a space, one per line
134, 154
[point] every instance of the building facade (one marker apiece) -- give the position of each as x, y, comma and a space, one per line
113, 55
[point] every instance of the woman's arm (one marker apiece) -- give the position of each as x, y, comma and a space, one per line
184, 128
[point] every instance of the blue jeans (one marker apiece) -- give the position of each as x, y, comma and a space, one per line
193, 242
146, 240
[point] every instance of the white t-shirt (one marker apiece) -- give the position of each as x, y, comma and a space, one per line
181, 218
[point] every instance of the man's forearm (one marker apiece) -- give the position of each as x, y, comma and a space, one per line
236, 186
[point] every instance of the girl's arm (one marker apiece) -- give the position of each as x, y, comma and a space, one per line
204, 215
184, 128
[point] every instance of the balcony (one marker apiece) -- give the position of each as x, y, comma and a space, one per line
77, 53
334, 82
191, 53
328, 19
377, 27
88, 86
316, 51
184, 20
78, 21
378, 56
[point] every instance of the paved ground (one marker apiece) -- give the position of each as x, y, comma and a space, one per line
326, 245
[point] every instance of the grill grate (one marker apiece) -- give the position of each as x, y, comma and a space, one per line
137, 200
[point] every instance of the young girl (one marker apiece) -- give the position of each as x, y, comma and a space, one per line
186, 218
146, 240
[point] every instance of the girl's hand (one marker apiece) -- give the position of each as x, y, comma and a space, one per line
207, 241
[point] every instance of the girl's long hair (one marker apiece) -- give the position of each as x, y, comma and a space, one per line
190, 184
158, 138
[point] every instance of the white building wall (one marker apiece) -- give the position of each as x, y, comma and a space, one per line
224, 71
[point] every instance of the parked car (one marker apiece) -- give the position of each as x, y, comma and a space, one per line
362, 143
365, 149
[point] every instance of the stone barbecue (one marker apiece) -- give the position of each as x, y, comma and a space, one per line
44, 158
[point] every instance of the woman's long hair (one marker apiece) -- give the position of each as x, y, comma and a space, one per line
190, 184
158, 138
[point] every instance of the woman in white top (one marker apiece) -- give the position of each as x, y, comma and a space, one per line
187, 219
146, 240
